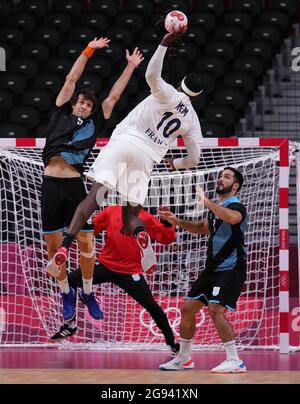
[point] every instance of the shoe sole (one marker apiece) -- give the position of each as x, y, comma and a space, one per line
60, 258
174, 370
60, 339
229, 372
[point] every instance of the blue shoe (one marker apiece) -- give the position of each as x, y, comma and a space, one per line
69, 304
92, 305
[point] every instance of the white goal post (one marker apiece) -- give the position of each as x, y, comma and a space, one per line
30, 304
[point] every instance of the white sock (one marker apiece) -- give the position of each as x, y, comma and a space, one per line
231, 350
87, 286
185, 348
64, 285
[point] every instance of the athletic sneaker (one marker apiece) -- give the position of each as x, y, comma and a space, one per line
69, 304
64, 332
148, 262
92, 305
52, 268
59, 258
178, 364
230, 366
61, 255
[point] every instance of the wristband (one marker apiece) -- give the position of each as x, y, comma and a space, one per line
88, 52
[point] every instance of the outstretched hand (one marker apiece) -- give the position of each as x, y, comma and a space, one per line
135, 59
99, 43
171, 37
166, 214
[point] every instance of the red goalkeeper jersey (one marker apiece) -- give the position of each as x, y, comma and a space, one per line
121, 252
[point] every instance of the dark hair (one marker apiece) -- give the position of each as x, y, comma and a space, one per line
238, 177
193, 82
87, 93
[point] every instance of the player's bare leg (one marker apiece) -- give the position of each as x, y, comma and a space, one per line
187, 326
136, 226
217, 314
85, 242
53, 242
233, 364
81, 215
83, 212
187, 329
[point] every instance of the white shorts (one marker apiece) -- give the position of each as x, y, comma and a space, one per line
123, 167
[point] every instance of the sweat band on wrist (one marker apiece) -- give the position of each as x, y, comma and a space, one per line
88, 52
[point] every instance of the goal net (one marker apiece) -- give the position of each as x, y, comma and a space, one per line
30, 302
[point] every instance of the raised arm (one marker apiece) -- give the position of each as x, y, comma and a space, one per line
153, 72
195, 227
133, 62
192, 158
75, 73
192, 141
225, 214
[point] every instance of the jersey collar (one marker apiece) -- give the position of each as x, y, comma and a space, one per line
232, 199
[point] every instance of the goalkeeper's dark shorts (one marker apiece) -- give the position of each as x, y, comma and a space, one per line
59, 200
222, 287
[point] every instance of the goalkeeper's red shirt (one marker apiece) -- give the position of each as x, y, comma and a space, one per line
120, 252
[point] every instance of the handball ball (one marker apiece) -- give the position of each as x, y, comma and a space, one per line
175, 20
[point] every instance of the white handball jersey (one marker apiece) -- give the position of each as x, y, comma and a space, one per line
156, 121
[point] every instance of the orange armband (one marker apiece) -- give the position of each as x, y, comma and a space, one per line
88, 52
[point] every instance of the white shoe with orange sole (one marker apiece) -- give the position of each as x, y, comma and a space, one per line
178, 364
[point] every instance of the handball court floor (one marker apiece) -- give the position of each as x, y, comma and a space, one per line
56, 365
